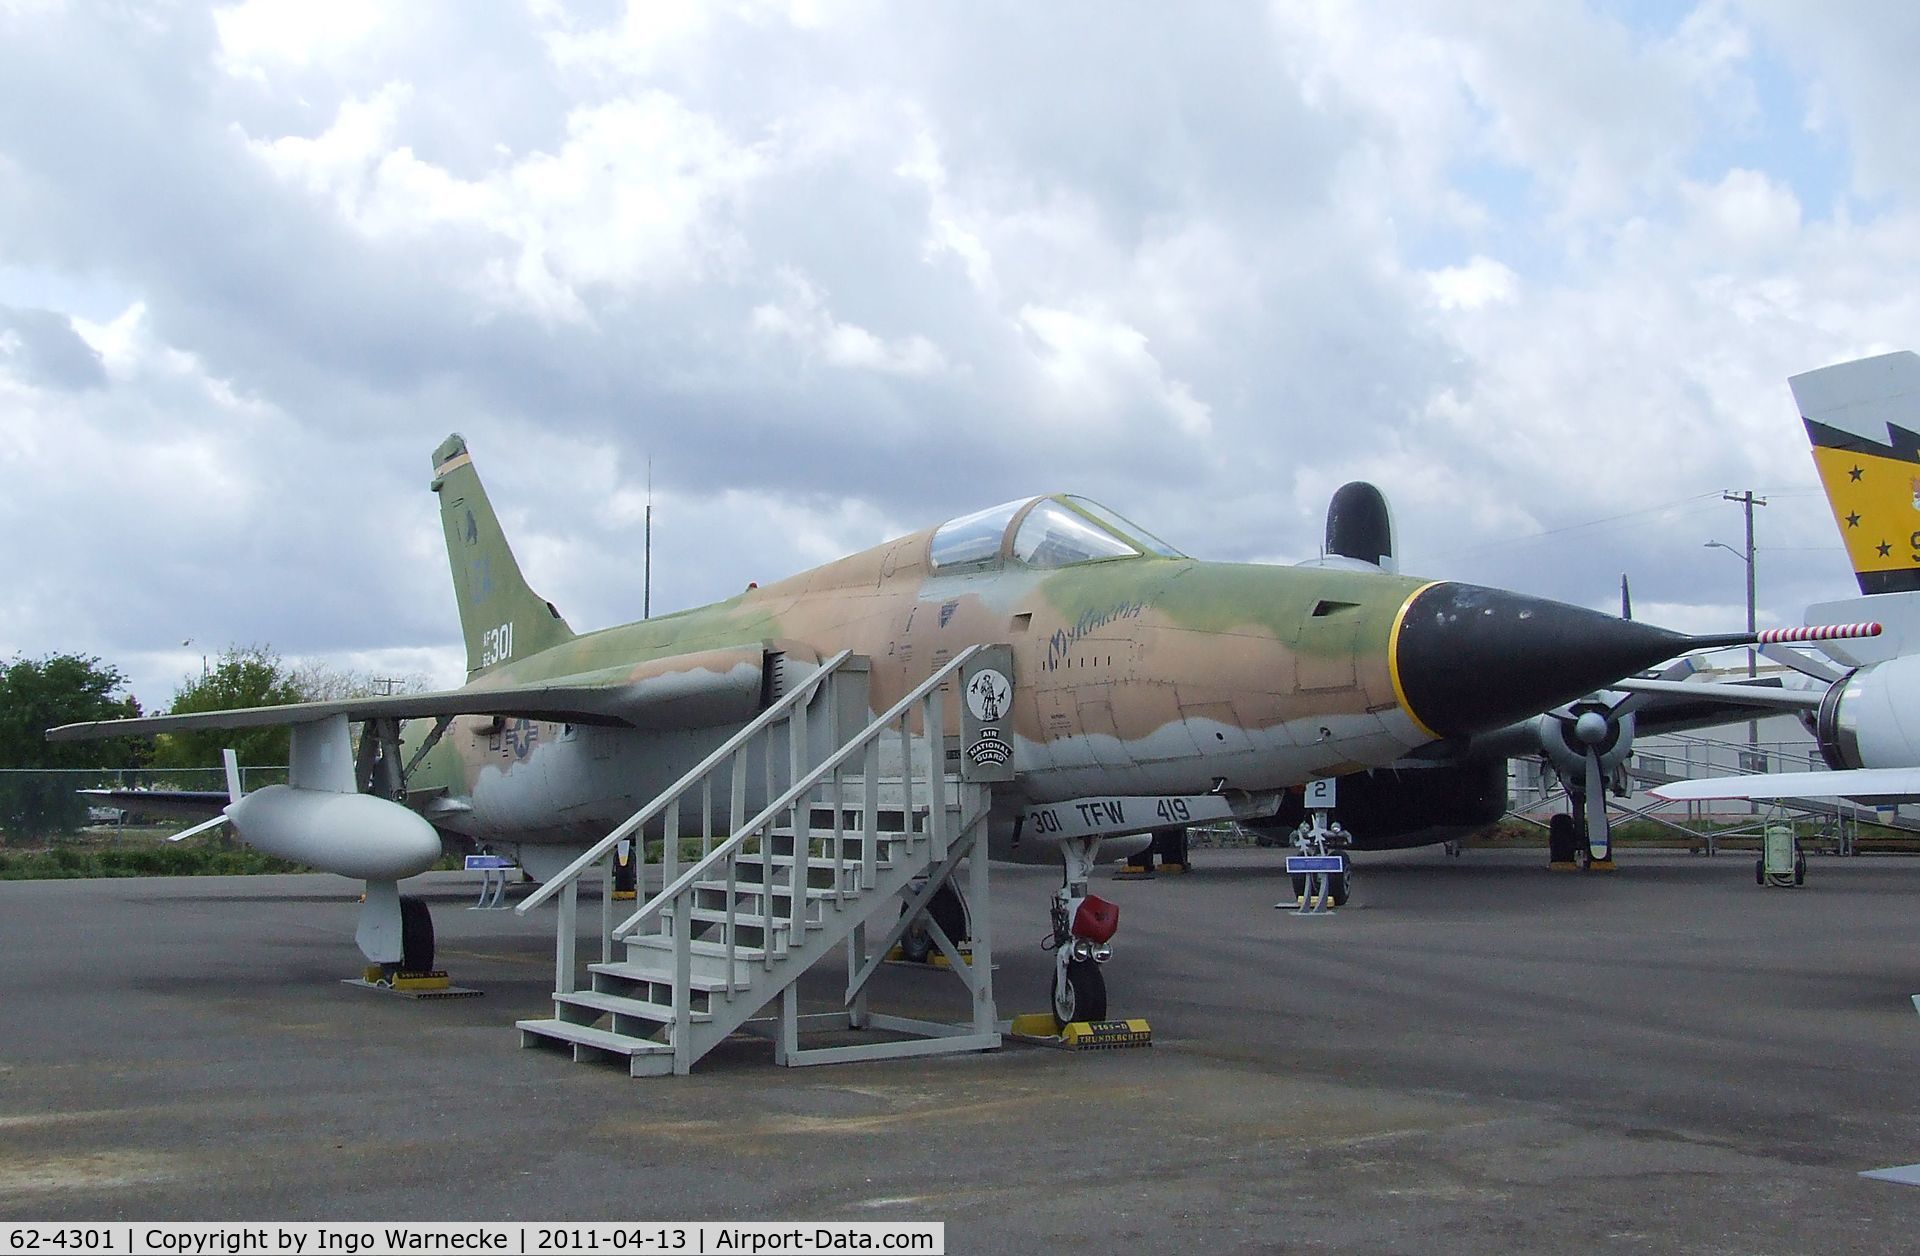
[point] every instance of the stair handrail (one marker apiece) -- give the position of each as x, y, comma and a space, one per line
799, 789
753, 728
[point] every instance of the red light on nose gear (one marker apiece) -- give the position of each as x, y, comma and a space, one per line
1096, 920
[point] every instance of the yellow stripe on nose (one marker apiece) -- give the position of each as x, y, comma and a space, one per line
1393, 659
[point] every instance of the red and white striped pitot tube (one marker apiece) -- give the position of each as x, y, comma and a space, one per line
1817, 632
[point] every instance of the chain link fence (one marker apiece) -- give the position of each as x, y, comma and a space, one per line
42, 805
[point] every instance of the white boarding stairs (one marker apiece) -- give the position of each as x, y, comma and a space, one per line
731, 933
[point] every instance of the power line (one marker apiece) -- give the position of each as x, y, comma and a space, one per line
1659, 508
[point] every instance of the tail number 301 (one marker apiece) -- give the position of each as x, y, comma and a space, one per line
496, 645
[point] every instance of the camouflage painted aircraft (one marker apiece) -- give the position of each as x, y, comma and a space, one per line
1150, 689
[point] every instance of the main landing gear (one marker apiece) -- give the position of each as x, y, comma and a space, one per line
948, 910
1169, 846
1083, 924
395, 933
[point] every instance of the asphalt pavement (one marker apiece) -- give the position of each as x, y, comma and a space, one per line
1476, 1054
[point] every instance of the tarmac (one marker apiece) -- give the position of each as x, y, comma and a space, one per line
1476, 1054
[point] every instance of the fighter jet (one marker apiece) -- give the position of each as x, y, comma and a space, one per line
1148, 688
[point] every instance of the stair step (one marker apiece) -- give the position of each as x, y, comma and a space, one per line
643, 968
742, 953
754, 889
851, 862
654, 954
743, 918
604, 1041
850, 832
621, 1005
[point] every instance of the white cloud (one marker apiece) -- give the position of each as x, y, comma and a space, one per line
259, 37
636, 195
1094, 369
1526, 267
802, 317
1479, 283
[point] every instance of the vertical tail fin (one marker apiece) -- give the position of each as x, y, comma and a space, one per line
1862, 418
500, 617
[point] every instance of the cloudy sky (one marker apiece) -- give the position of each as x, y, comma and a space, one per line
842, 270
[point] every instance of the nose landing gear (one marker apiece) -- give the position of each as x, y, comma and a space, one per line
1083, 925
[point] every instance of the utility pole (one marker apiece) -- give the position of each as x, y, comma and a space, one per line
646, 578
1749, 501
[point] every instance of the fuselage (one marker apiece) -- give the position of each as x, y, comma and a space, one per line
1138, 672
1133, 676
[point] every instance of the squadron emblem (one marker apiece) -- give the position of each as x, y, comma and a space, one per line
987, 695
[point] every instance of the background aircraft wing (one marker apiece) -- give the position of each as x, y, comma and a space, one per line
684, 691
1860, 783
161, 804
1759, 694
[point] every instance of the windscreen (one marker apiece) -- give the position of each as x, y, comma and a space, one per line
1053, 536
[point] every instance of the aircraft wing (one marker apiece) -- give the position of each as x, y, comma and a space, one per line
1753, 695
683, 691
170, 804
1860, 783
1663, 707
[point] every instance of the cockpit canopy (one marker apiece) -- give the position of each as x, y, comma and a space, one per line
1058, 531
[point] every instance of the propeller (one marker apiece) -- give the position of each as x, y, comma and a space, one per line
1584, 740
232, 762
1599, 824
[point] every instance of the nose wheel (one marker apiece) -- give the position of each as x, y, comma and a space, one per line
1083, 924
1079, 992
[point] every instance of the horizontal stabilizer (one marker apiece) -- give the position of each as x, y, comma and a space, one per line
1861, 783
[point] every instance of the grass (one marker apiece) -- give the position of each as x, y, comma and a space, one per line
85, 856
138, 852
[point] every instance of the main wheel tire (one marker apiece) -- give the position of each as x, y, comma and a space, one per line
1799, 869
949, 911
1086, 994
416, 936
1342, 889
1299, 885
1562, 840
1760, 871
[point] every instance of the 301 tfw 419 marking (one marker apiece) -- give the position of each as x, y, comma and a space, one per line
1108, 817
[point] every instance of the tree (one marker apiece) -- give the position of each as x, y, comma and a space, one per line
38, 694
253, 676
323, 682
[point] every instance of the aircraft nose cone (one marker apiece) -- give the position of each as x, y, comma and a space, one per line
1468, 659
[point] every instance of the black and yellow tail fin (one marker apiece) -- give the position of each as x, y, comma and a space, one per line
1863, 418
500, 617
